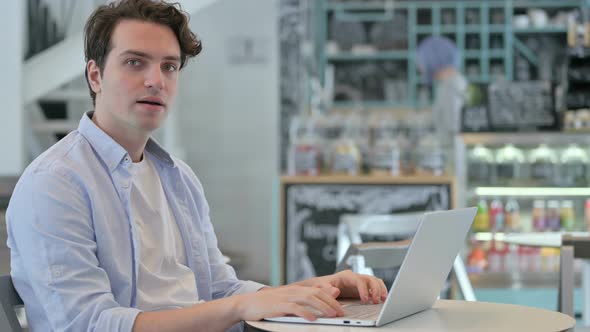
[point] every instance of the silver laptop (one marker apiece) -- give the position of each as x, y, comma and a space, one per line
429, 259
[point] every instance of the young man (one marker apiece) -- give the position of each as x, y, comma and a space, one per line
108, 232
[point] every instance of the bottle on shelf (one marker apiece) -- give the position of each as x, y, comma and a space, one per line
539, 223
329, 129
359, 133
523, 258
386, 158
543, 165
495, 262
346, 155
477, 261
431, 155
304, 153
512, 215
511, 257
509, 165
386, 153
480, 161
409, 138
549, 259
552, 218
496, 220
529, 259
587, 214
574, 169
568, 218
481, 222
535, 259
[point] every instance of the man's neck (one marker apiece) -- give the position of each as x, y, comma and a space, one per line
445, 72
131, 140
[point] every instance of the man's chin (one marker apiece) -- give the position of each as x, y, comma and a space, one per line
151, 123
150, 127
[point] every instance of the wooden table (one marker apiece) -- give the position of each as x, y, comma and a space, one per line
450, 316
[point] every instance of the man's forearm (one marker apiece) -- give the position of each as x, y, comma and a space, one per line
218, 315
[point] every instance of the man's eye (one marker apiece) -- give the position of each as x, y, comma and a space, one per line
170, 67
133, 62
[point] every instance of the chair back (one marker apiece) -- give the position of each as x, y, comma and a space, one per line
375, 244
359, 228
572, 246
9, 299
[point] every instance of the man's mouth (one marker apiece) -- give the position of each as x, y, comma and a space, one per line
150, 102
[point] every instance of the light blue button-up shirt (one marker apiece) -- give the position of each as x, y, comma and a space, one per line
74, 248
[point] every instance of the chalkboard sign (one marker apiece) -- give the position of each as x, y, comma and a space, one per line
526, 105
312, 208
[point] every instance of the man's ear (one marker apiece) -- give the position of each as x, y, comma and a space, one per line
94, 78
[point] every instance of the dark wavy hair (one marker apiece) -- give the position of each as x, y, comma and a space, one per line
101, 24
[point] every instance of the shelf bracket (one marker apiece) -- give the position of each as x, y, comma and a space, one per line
522, 48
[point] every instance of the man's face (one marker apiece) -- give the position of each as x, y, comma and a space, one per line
138, 83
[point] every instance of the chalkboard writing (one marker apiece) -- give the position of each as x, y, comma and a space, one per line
312, 213
522, 106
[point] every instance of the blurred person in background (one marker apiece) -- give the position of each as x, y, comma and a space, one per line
438, 60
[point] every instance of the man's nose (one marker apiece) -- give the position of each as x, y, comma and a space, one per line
154, 78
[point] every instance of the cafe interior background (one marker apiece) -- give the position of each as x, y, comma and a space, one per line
301, 115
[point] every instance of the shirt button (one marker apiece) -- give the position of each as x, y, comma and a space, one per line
125, 184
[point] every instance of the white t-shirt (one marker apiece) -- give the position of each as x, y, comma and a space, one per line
164, 280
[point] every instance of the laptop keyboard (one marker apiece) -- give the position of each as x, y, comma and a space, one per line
355, 311
362, 311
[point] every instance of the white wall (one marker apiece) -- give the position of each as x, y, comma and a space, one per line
11, 126
228, 118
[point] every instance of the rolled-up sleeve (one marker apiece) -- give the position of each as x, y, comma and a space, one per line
50, 230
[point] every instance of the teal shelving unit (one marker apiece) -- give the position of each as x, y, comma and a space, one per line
482, 30
386, 55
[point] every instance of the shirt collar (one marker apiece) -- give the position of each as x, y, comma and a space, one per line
111, 152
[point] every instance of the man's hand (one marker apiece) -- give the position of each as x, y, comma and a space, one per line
289, 300
351, 285
316, 294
